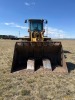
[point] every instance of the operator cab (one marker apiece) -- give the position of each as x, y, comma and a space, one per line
36, 29
36, 25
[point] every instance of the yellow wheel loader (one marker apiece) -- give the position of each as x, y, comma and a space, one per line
38, 50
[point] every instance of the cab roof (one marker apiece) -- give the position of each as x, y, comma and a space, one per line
36, 19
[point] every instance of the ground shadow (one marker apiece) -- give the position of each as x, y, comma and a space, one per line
70, 66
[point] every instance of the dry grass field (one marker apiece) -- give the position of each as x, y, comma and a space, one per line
39, 85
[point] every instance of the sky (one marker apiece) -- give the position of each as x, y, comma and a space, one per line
59, 13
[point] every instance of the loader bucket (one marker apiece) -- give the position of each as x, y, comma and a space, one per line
37, 51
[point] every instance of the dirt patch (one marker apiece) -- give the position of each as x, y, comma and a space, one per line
38, 85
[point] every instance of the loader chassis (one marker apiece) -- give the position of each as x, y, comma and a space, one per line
37, 51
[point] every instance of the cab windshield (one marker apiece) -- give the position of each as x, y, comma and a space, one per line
36, 26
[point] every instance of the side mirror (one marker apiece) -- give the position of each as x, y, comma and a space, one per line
46, 22
25, 21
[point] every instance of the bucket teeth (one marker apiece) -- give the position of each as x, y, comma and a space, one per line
47, 64
30, 64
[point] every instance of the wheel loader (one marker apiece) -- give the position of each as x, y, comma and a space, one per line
37, 50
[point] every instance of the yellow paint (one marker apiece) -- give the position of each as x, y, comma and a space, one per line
34, 39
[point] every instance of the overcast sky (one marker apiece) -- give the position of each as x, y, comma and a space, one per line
59, 13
